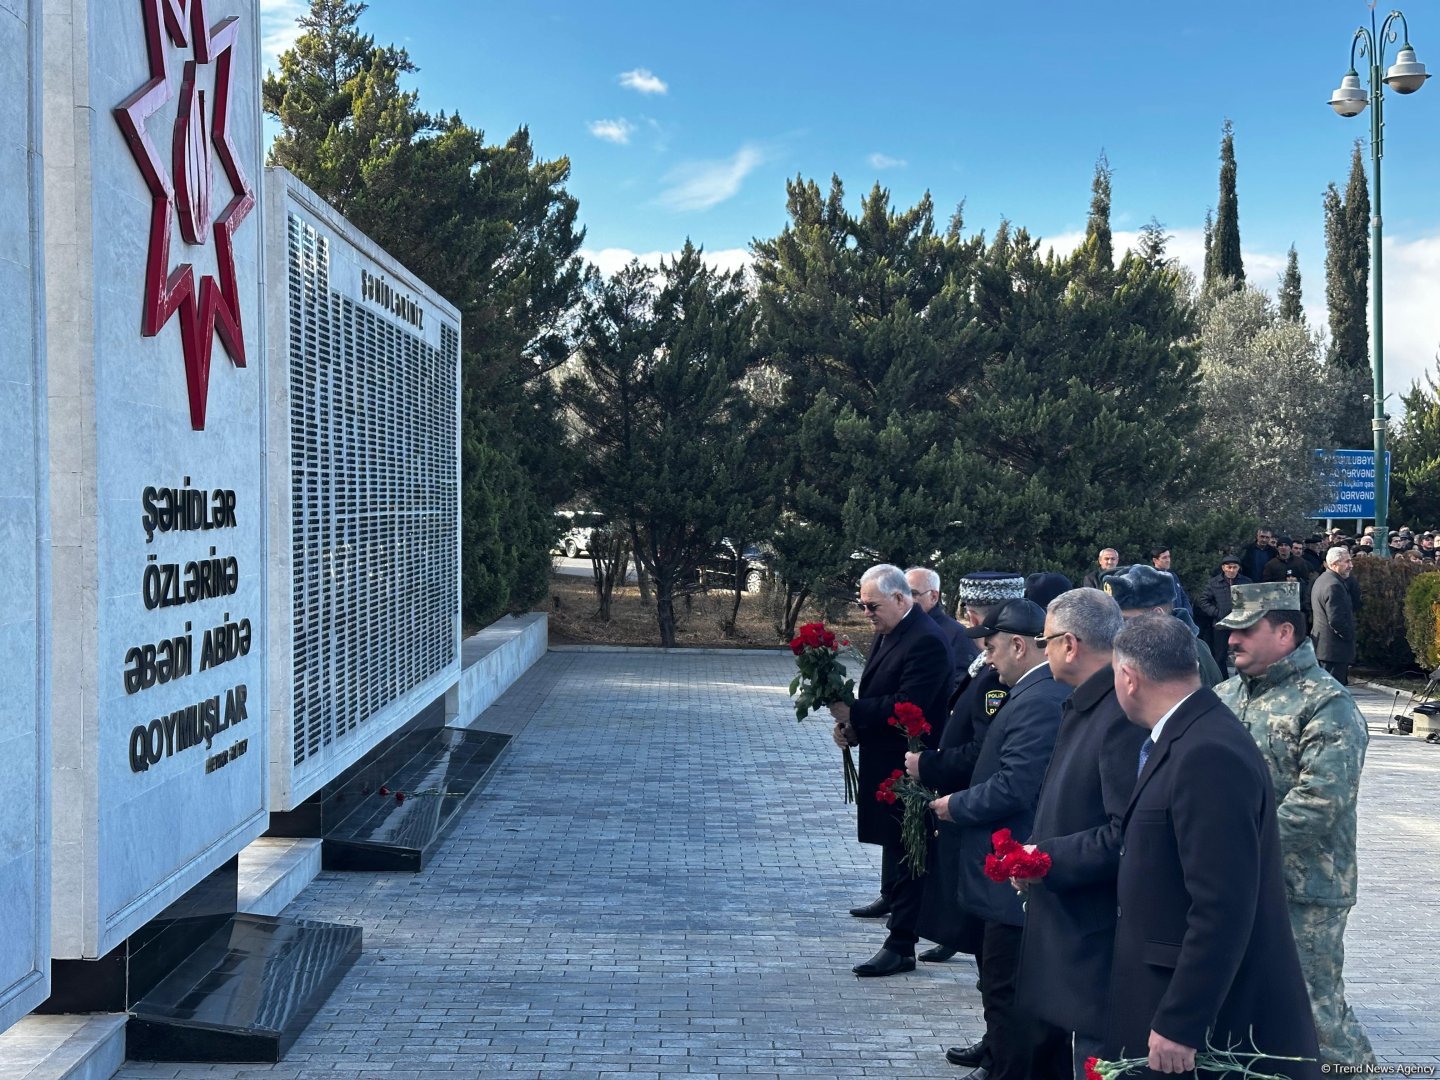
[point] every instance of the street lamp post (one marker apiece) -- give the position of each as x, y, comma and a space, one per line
1404, 77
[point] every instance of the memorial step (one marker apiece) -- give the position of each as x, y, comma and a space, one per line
273, 871
90, 1047
391, 832
244, 995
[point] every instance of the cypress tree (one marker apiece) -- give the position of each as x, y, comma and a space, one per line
1222, 259
1347, 276
1098, 239
1290, 289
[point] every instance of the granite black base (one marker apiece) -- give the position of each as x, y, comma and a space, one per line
388, 832
133, 968
245, 994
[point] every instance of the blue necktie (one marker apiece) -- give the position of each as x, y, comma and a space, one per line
1145, 748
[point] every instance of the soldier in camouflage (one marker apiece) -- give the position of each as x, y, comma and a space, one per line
1313, 738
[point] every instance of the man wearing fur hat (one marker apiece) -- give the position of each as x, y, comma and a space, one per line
1313, 739
1145, 590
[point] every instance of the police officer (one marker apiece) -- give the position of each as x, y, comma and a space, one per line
1313, 738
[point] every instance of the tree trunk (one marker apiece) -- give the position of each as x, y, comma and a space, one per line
728, 627
665, 610
642, 577
794, 602
609, 560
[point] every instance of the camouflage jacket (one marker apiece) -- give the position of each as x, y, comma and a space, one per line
1313, 738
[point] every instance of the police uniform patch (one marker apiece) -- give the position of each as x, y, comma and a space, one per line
993, 700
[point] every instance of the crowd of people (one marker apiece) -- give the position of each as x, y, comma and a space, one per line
1201, 830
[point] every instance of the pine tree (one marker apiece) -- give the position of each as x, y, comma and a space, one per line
1290, 289
1152, 243
660, 405
1415, 492
863, 315
1347, 277
492, 229
1223, 262
1099, 246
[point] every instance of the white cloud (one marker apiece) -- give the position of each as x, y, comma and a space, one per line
644, 80
699, 185
615, 131
611, 260
885, 161
279, 27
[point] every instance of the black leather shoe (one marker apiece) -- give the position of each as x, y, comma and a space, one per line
877, 908
971, 1055
884, 962
938, 955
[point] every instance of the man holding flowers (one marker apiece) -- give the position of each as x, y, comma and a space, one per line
909, 662
1070, 914
1002, 793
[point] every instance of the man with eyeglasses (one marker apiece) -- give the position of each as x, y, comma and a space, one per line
925, 591
1001, 795
908, 662
1070, 914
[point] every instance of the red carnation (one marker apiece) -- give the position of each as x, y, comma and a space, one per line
1092, 1073
995, 869
1029, 865
1005, 843
797, 646
399, 796
910, 719
384, 791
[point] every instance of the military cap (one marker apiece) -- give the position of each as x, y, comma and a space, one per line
991, 587
1045, 586
1023, 617
1251, 602
1141, 586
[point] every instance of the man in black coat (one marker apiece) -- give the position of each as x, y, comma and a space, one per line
925, 591
908, 662
1332, 600
1215, 602
1001, 795
1203, 946
1070, 915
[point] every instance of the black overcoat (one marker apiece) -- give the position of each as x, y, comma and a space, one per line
911, 663
1203, 946
961, 645
1003, 790
944, 770
1070, 914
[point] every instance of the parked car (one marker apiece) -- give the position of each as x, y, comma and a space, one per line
578, 526
718, 572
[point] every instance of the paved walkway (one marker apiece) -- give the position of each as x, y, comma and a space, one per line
655, 885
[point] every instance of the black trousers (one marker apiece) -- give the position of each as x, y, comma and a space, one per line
1340, 671
1014, 1035
905, 893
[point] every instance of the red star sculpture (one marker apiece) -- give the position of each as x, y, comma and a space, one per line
213, 308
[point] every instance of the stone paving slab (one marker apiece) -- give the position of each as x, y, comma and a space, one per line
655, 885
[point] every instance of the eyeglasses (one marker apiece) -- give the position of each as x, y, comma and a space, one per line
871, 608
1044, 641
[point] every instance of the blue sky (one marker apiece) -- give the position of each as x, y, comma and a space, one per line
685, 120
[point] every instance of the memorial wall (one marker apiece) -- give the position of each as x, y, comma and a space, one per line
24, 519
364, 386
157, 481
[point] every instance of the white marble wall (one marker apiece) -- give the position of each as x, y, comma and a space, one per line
129, 841
350, 252
24, 561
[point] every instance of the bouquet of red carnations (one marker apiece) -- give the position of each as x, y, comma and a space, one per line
915, 825
1013, 859
822, 680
